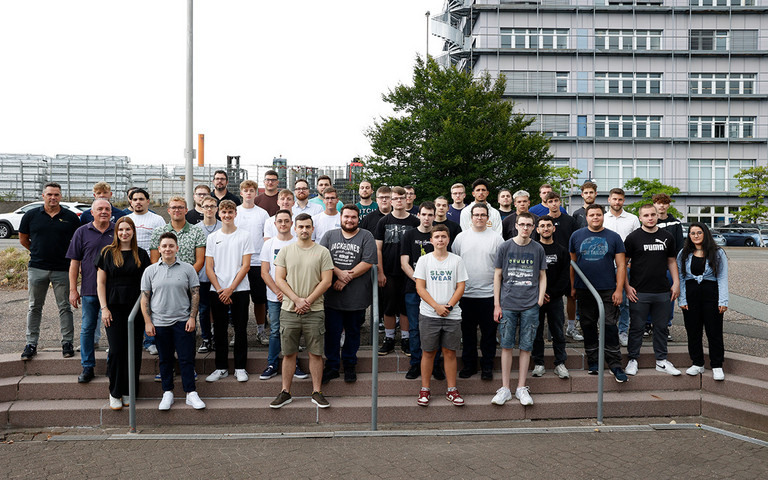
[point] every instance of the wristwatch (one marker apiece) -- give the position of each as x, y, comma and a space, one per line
449, 307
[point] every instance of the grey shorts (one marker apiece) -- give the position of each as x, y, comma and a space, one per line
436, 332
311, 325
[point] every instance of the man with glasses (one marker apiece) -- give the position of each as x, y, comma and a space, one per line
196, 215
323, 182
481, 190
268, 199
208, 226
220, 192
458, 193
410, 199
384, 201
303, 205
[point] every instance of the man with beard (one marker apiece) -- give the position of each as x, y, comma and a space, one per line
366, 204
303, 205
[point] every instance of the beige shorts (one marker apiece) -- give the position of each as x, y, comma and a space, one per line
311, 325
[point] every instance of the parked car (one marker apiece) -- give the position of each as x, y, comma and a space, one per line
743, 235
9, 222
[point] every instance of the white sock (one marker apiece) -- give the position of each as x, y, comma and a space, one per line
571, 324
405, 334
389, 332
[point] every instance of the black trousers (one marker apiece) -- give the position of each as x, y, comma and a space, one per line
478, 312
117, 360
589, 316
703, 315
220, 313
553, 310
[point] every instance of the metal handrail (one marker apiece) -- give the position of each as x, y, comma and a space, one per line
601, 341
374, 354
132, 366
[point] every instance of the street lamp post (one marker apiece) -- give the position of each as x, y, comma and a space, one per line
189, 153
426, 53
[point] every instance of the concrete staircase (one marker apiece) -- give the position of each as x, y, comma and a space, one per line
44, 392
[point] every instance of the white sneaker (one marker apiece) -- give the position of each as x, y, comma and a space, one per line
241, 375
115, 403
126, 400
623, 338
264, 337
538, 371
561, 371
232, 342
217, 375
193, 399
717, 374
167, 401
667, 367
523, 395
574, 334
502, 395
152, 349
631, 367
694, 370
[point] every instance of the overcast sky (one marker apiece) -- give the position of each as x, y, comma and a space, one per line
300, 78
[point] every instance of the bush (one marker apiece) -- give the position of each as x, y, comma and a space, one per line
13, 264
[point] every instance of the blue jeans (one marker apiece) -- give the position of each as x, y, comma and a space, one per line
527, 320
176, 338
90, 322
335, 322
412, 301
273, 310
624, 314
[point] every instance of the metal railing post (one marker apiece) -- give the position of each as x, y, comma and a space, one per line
601, 341
132, 366
375, 349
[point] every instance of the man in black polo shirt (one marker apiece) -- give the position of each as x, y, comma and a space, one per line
46, 233
220, 192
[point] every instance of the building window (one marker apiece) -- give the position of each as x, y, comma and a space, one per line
615, 172
722, 3
562, 82
721, 127
550, 125
721, 83
629, 2
628, 39
627, 82
538, 38
627, 126
722, 40
711, 215
535, 82
715, 175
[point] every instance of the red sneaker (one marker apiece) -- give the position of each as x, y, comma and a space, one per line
423, 397
454, 397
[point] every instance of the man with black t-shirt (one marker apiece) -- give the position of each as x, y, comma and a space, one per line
384, 201
441, 218
220, 192
589, 194
521, 200
564, 224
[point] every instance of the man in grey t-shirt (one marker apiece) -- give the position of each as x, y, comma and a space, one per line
353, 251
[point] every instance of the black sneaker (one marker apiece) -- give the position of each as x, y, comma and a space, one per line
283, 399
405, 346
467, 372
205, 347
387, 347
350, 375
30, 351
329, 374
381, 326
486, 375
319, 400
86, 376
593, 370
438, 373
67, 350
413, 372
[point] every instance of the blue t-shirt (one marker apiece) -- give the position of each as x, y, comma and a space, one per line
595, 252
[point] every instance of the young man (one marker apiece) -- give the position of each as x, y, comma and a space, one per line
480, 190
303, 205
441, 218
82, 253
623, 223
208, 225
146, 222
589, 194
410, 199
519, 286
596, 250
673, 226
220, 192
46, 232
384, 201
323, 182
284, 225
478, 248
169, 302
285, 201
303, 272
196, 215
650, 252
522, 200
102, 190
564, 224
440, 278
228, 264
330, 218
353, 252
252, 218
391, 279
558, 284
366, 204
268, 199
541, 208
458, 194
505, 203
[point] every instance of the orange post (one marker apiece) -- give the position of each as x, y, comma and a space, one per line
200, 150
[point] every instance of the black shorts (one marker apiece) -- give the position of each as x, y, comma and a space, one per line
392, 301
258, 287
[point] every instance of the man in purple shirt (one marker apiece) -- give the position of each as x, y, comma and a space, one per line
83, 251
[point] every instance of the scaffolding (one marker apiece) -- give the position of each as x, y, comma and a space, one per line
22, 176
78, 173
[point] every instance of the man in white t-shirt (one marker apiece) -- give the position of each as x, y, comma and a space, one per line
330, 219
285, 201
480, 190
144, 220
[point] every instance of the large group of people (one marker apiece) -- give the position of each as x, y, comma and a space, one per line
446, 269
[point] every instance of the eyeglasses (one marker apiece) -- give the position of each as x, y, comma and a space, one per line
201, 194
394, 199
177, 208
301, 189
210, 207
270, 179
525, 225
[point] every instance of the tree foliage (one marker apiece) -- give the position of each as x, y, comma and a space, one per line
563, 180
753, 184
646, 189
449, 127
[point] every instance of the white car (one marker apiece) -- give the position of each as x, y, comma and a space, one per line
9, 222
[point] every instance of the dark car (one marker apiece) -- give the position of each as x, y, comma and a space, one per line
743, 235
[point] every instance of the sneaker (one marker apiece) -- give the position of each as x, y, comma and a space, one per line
502, 395
67, 350
631, 367
319, 400
329, 374
166, 402
524, 396
694, 370
717, 374
593, 370
387, 347
467, 372
623, 338
423, 399
538, 371
381, 326
126, 400
648, 330
619, 374
405, 346
115, 403
667, 367
454, 397
205, 347
574, 334
152, 349
232, 342
217, 375
268, 372
438, 373
342, 338
486, 374
96, 346
86, 376
193, 400
561, 371
413, 372
283, 399
669, 337
158, 378
241, 375
350, 374
29, 352
263, 337
299, 373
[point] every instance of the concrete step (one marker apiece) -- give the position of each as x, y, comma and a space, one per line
737, 387
739, 412
745, 366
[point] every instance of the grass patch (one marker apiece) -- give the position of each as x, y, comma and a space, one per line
13, 264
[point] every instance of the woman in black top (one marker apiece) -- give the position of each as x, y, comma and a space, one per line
120, 267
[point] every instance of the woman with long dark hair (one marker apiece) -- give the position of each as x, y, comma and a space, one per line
120, 267
703, 268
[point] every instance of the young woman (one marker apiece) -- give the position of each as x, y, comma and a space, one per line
703, 268
120, 267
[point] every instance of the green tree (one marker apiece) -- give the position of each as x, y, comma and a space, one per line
563, 179
646, 189
449, 127
753, 183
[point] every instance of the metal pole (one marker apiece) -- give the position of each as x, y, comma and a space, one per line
601, 341
426, 53
375, 349
132, 366
189, 153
